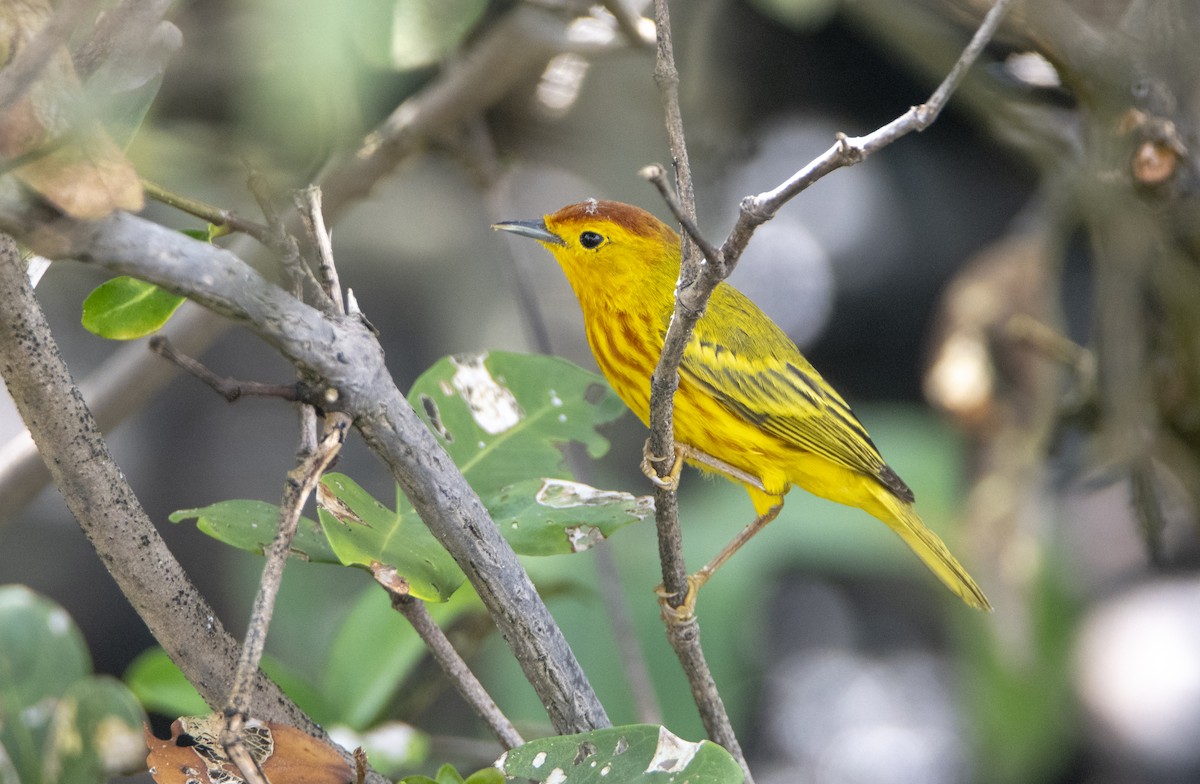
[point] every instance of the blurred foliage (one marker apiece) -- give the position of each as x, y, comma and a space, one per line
448, 775
58, 722
285, 84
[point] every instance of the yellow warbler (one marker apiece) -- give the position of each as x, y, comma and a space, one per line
749, 405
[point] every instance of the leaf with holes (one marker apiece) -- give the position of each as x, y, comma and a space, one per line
505, 419
559, 516
636, 754
395, 546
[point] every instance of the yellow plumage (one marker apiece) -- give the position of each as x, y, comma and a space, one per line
747, 397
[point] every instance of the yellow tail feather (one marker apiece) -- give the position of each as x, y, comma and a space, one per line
902, 519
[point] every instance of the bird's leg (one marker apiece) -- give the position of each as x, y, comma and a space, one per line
671, 480
687, 609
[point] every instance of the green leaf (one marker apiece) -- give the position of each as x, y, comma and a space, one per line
635, 754
251, 525
125, 308
160, 686
558, 516
447, 774
42, 653
364, 532
505, 418
97, 733
425, 31
486, 776
373, 652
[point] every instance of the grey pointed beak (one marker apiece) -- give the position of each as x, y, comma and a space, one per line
533, 229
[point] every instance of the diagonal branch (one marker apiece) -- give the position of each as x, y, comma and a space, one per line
343, 364
505, 54
109, 513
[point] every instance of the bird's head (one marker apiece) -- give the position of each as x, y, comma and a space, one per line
605, 244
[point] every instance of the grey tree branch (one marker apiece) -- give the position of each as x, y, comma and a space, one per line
109, 513
683, 635
506, 54
342, 363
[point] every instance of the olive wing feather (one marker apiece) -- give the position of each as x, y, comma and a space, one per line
749, 365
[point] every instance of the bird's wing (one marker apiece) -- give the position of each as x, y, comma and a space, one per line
747, 363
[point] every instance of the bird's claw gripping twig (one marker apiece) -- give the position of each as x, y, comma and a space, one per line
686, 610
669, 482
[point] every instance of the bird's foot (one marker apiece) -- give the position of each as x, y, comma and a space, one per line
669, 482
685, 611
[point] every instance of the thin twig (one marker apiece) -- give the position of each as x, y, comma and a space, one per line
665, 379
465, 682
684, 636
696, 284
657, 176
308, 202
229, 388
301, 482
217, 216
847, 151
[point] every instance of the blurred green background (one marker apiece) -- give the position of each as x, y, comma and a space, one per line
840, 659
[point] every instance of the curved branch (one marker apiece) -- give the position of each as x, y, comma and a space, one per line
343, 364
107, 509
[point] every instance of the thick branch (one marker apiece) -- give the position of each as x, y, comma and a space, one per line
520, 44
343, 363
107, 509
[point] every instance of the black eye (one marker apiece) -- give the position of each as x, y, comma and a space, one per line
590, 239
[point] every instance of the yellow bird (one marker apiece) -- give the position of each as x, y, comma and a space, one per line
749, 405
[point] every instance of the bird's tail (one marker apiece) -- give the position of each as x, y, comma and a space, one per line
901, 518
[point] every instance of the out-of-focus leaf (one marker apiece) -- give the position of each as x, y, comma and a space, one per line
364, 532
160, 686
425, 31
42, 653
126, 308
96, 733
66, 156
635, 754
447, 774
250, 525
